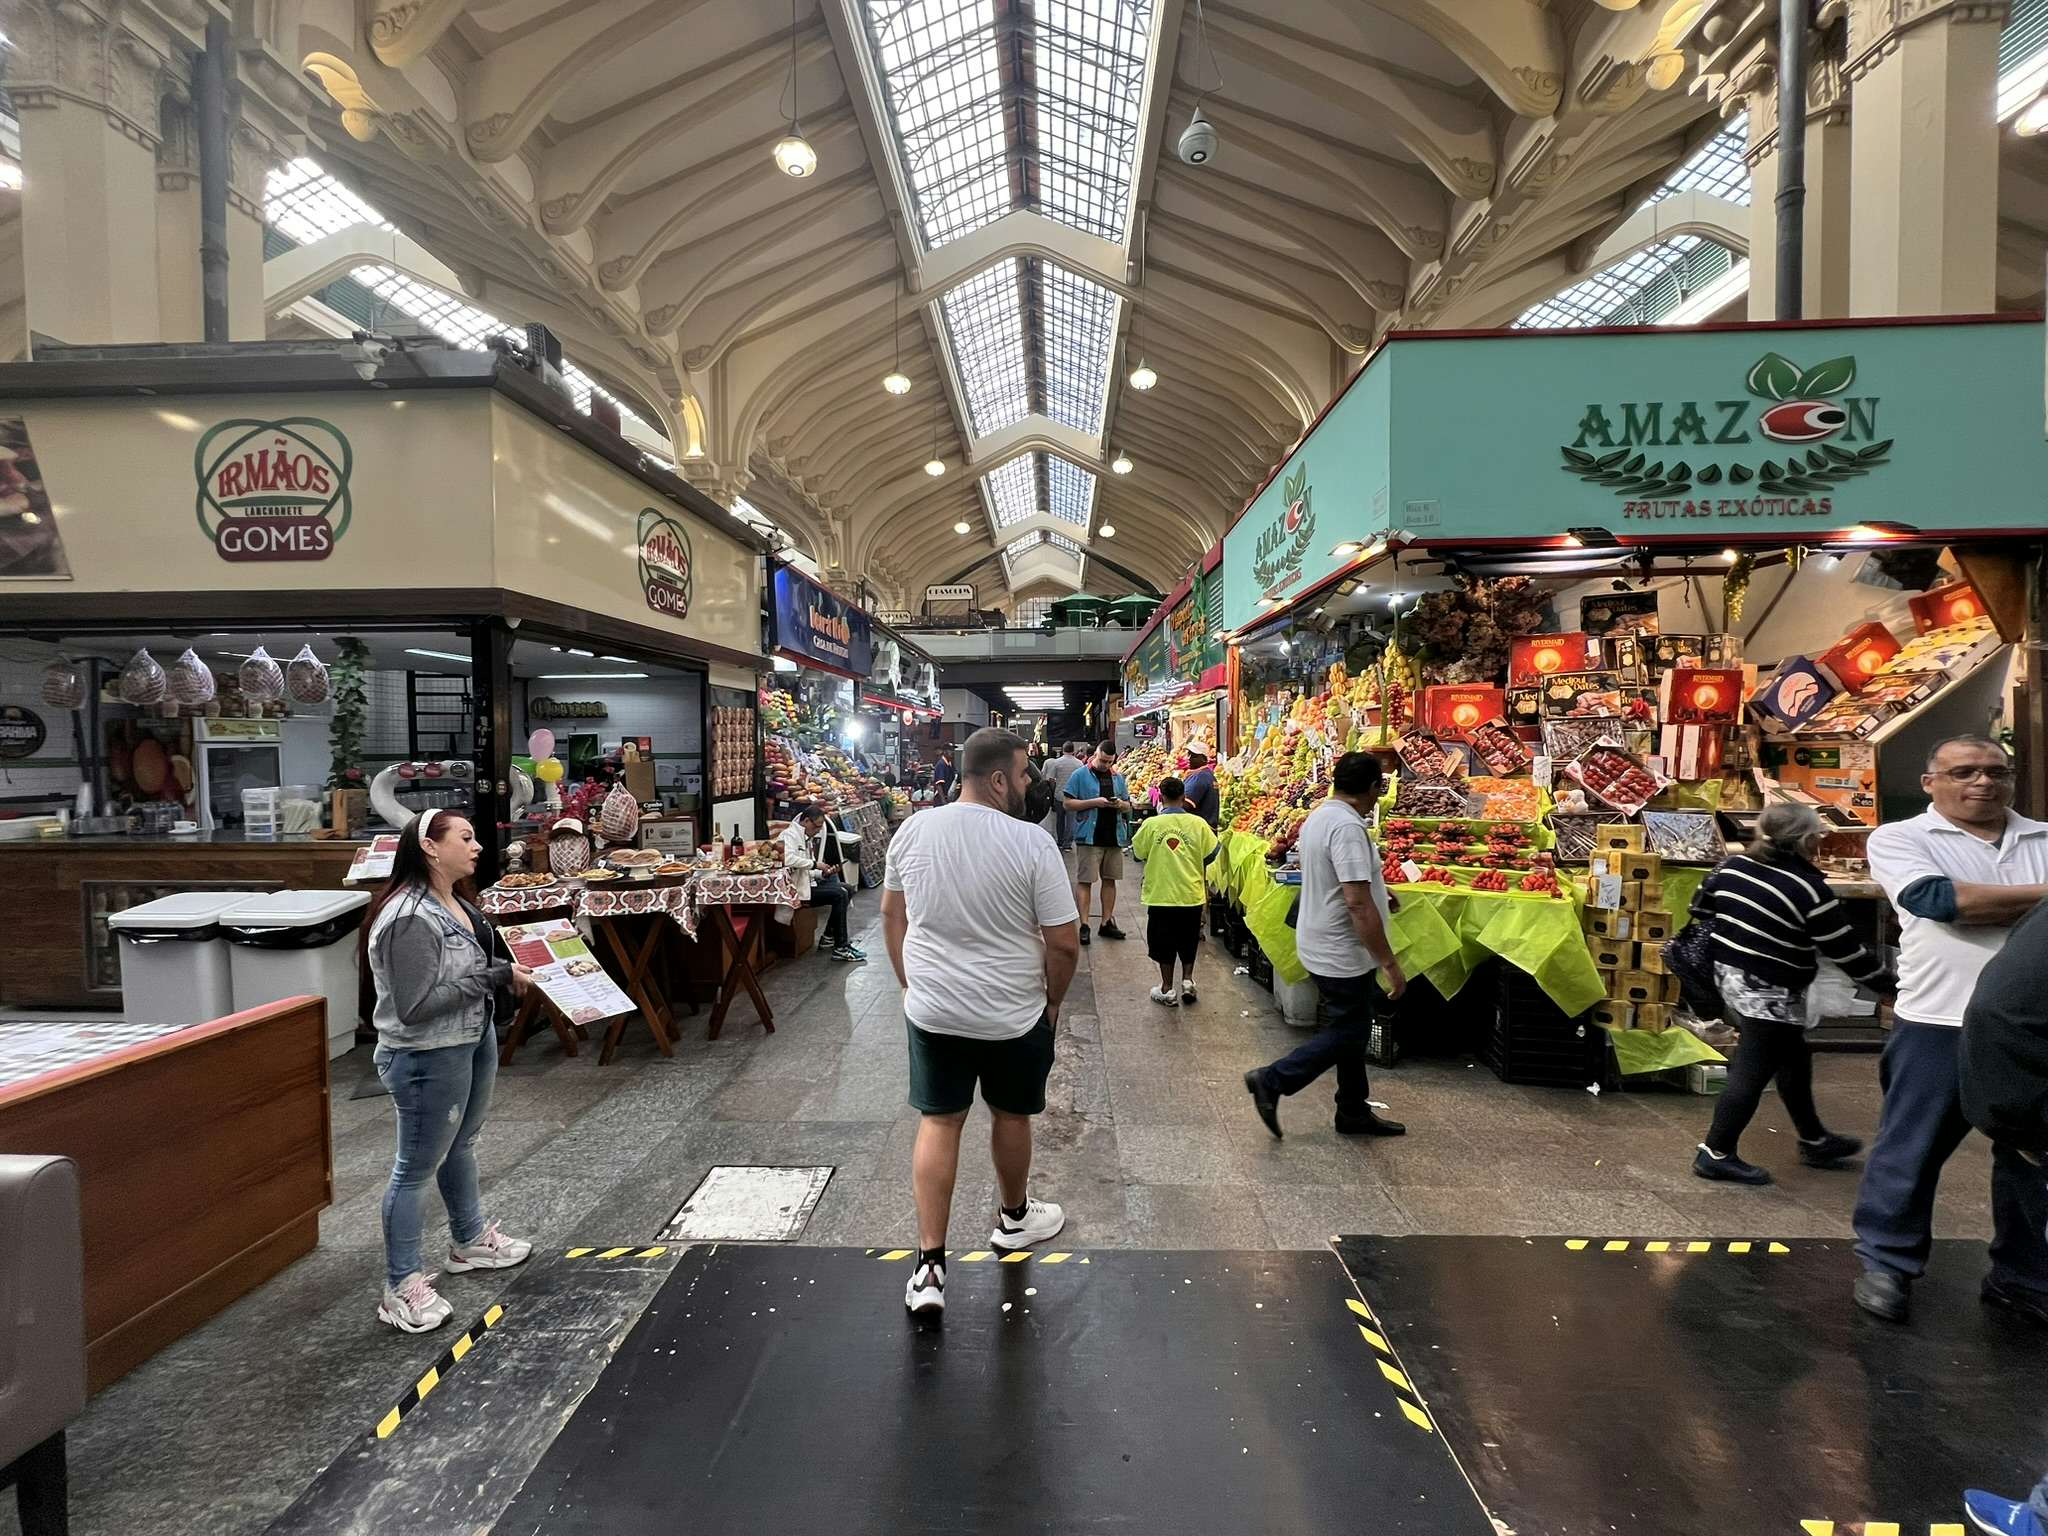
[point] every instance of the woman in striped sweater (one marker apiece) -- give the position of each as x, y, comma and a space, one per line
1773, 916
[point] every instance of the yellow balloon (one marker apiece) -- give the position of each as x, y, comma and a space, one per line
548, 770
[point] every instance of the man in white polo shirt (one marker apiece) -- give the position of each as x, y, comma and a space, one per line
1960, 875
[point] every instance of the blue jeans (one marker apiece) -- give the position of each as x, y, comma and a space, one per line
1922, 1123
442, 1097
1342, 1044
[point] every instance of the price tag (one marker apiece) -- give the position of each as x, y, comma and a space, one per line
1540, 772
1412, 870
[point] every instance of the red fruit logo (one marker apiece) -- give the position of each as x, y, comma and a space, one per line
1803, 421
1173, 843
1294, 510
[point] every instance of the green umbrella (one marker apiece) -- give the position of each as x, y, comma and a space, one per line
1082, 610
1134, 610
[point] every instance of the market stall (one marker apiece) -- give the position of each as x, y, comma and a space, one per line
1175, 697
1590, 654
360, 598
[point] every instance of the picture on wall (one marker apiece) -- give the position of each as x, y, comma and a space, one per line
31, 547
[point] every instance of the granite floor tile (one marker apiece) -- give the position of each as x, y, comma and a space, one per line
1309, 1215
1191, 1216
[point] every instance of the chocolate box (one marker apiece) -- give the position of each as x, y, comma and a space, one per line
1859, 656
1939, 607
1581, 693
1613, 613
1701, 696
1532, 658
1796, 693
1456, 709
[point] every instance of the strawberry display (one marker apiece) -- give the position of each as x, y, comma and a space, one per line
1541, 883
1490, 880
1615, 777
1438, 877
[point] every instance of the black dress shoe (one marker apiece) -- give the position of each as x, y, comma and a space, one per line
1884, 1294
2031, 1305
1109, 930
1730, 1169
1264, 1100
1369, 1124
1831, 1151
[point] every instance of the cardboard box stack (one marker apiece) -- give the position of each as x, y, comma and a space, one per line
1626, 926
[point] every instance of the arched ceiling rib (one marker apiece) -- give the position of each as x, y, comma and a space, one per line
1398, 162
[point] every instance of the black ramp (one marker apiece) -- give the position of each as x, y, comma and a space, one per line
769, 1390
1596, 1388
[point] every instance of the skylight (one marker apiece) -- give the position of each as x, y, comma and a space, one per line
304, 203
1070, 491
1011, 492
984, 319
995, 114
1716, 167
1040, 482
1080, 330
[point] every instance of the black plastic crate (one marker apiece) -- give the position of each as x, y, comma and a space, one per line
1534, 1041
1261, 967
1220, 919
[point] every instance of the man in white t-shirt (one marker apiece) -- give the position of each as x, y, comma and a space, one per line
1960, 875
982, 930
1340, 936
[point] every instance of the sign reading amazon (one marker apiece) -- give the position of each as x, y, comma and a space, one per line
274, 490
1785, 448
816, 625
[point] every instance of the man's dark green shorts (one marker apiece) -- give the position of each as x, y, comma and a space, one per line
1012, 1073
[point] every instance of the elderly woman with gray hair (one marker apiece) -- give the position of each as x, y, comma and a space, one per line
1774, 917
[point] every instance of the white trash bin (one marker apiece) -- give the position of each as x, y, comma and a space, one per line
298, 944
174, 965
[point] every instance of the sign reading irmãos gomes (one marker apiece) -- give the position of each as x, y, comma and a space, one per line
1785, 449
274, 490
664, 553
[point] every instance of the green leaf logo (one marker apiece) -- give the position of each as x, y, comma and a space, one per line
1777, 378
1828, 378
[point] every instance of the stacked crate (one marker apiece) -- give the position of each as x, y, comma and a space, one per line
1626, 926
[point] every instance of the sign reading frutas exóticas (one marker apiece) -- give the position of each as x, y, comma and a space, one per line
1787, 457
274, 490
1277, 557
664, 556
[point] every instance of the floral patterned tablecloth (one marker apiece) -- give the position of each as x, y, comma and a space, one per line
681, 901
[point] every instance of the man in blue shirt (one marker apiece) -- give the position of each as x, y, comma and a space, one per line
1099, 798
1202, 797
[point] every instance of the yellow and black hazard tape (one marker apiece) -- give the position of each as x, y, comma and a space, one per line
438, 1371
628, 1252
1880, 1528
1405, 1396
982, 1256
1636, 1245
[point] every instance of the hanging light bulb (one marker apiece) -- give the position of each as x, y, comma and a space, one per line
1121, 464
935, 466
1144, 376
793, 153
962, 526
1107, 530
896, 381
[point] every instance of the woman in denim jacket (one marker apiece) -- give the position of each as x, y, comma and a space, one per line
437, 964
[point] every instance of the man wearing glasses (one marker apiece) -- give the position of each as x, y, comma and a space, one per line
1960, 875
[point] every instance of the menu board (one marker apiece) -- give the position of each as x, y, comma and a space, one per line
565, 970
373, 862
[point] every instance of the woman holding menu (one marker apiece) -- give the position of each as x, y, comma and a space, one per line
437, 965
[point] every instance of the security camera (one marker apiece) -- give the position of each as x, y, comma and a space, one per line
1198, 140
371, 351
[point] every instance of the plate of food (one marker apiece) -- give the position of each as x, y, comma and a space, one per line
597, 874
635, 858
674, 871
532, 882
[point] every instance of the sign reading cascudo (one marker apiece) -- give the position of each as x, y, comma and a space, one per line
274, 490
664, 556
1789, 456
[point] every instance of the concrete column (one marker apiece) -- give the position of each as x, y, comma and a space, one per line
87, 92
1924, 172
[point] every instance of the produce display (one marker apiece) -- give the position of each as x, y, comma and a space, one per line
1415, 798
1616, 778
797, 775
1684, 837
1144, 765
1500, 748
1426, 758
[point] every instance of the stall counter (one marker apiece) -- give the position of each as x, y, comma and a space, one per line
62, 890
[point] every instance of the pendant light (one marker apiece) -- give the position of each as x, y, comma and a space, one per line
1121, 464
896, 381
963, 526
1144, 376
935, 466
793, 152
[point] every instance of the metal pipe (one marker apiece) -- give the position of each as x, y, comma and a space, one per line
1792, 17
211, 70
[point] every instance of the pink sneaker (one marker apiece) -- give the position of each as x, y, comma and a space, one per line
492, 1250
414, 1306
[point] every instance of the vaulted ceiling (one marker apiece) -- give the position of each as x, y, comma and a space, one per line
998, 208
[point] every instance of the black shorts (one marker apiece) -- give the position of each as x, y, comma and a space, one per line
1012, 1073
1173, 933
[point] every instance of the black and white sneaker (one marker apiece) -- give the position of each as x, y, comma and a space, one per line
925, 1295
1041, 1220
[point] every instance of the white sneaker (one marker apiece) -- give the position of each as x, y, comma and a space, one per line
1042, 1219
493, 1250
1163, 997
1187, 992
415, 1306
925, 1295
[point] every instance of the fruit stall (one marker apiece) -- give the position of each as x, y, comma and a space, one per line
1174, 675
1590, 655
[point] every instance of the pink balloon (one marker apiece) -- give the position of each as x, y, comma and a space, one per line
541, 743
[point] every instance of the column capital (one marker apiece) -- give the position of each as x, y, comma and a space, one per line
121, 60
1876, 26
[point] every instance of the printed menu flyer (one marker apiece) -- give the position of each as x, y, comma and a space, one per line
375, 861
567, 973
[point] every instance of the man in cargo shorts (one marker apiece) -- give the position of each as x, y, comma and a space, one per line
1099, 797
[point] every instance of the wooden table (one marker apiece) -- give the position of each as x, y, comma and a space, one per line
756, 896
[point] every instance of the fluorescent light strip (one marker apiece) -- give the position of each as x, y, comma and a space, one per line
586, 677
439, 655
